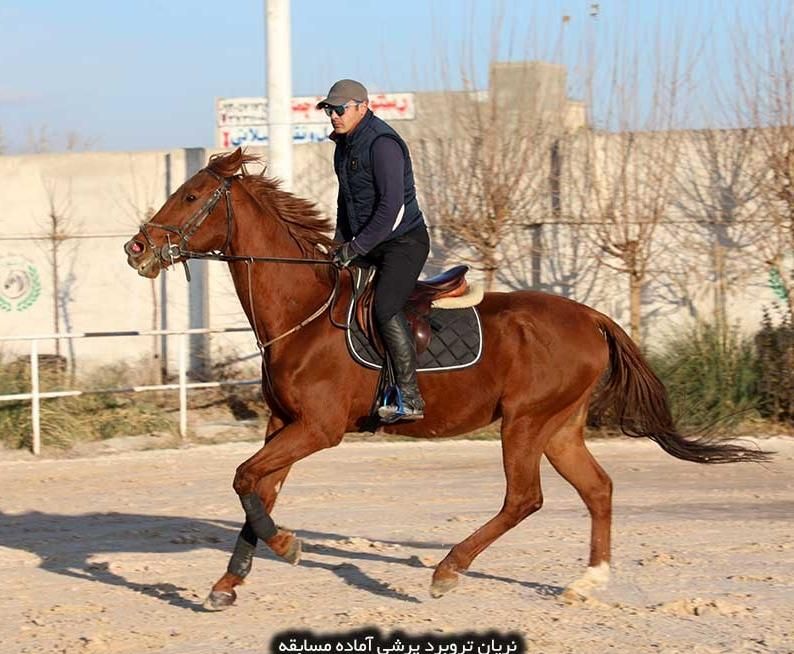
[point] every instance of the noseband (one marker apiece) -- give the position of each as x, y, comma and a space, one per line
170, 252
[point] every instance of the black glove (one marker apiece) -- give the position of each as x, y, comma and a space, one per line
344, 254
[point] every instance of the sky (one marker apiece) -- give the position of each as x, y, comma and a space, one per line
144, 74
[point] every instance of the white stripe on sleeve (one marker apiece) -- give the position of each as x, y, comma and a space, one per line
399, 218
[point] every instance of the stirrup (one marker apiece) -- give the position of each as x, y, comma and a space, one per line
393, 408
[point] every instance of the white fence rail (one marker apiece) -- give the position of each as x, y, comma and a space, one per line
35, 396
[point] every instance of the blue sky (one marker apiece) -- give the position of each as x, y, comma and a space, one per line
143, 74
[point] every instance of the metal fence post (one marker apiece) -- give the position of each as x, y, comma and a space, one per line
35, 399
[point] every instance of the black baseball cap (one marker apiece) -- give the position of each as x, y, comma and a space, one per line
344, 91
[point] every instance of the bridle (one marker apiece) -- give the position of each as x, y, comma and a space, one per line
170, 253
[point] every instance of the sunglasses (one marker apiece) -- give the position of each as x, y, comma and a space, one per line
340, 109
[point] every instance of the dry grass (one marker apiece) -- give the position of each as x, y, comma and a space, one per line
68, 421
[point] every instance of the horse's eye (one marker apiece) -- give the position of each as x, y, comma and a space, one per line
191, 198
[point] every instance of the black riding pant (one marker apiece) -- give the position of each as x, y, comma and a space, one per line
399, 263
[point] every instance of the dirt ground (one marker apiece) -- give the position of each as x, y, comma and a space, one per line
116, 553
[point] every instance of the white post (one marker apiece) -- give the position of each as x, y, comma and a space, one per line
279, 90
183, 347
35, 399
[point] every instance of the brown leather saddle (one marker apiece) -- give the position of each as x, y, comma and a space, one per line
450, 283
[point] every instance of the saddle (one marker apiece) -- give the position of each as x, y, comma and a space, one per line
450, 289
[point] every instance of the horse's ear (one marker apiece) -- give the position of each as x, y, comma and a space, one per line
238, 152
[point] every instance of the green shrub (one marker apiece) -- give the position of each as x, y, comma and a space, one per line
775, 368
711, 375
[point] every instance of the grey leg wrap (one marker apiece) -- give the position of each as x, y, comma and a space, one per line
243, 555
255, 515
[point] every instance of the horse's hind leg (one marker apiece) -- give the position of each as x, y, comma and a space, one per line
566, 451
521, 450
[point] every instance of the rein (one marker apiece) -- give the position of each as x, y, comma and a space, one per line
300, 325
171, 252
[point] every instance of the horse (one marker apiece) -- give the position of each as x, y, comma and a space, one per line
543, 357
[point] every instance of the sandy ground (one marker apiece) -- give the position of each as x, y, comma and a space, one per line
116, 553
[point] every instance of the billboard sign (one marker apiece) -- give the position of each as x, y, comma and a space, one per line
243, 121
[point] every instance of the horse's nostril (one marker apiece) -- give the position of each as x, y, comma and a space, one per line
134, 247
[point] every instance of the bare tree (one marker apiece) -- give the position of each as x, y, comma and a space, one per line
76, 142
717, 201
41, 140
573, 267
138, 204
626, 161
486, 174
483, 165
629, 202
60, 229
764, 65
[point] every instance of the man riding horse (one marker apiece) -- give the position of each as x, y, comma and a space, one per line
545, 357
379, 221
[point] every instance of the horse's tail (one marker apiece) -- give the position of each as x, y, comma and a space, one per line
642, 407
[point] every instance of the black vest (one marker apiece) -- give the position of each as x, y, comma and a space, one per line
357, 194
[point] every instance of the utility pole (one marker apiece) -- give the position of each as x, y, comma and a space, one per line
198, 290
279, 90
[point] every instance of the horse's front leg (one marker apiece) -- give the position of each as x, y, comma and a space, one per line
257, 483
284, 543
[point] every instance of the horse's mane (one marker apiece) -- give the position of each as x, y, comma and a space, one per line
307, 226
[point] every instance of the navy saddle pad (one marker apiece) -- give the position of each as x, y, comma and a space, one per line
456, 342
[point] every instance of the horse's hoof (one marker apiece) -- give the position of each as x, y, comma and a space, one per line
286, 546
219, 600
572, 596
440, 587
595, 578
293, 553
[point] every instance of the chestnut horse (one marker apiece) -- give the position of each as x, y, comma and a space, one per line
542, 358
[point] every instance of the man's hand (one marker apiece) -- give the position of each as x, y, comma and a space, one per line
343, 255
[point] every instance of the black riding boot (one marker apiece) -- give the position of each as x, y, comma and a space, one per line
399, 341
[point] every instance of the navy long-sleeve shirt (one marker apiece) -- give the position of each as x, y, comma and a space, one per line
388, 164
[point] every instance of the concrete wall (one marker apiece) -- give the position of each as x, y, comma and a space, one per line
100, 198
